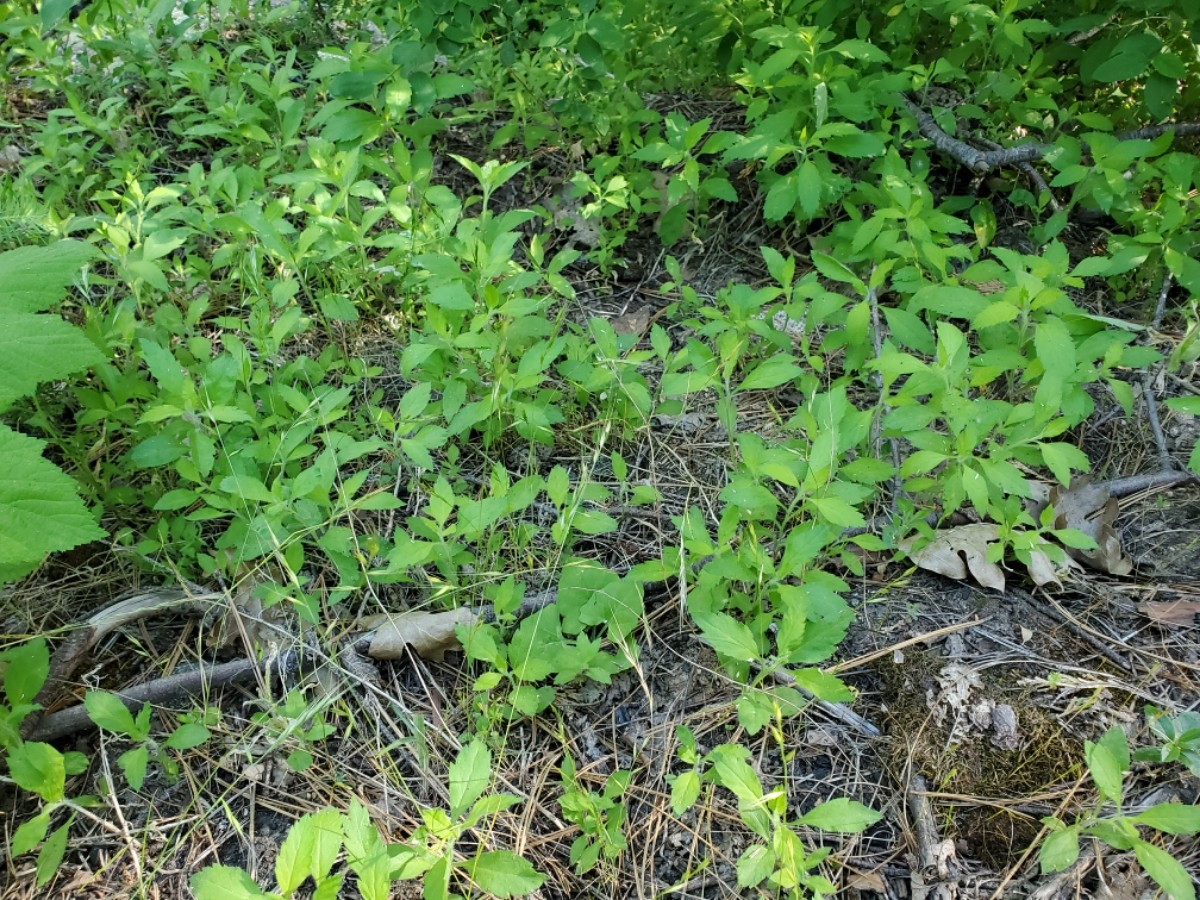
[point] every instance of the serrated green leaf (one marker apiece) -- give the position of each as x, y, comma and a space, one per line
30, 833
33, 278
754, 865
685, 790
134, 764
734, 774
37, 348
726, 635
187, 736
50, 857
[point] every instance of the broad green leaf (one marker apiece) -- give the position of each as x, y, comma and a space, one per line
1189, 405
33, 278
1170, 874
311, 848
1061, 458
39, 769
109, 712
30, 833
503, 874
1107, 760
822, 685
134, 764
187, 736
836, 270
1055, 348
226, 883
842, 815
469, 776
685, 790
1059, 850
1129, 59
28, 667
727, 636
754, 865
1173, 818
771, 373
734, 774
36, 348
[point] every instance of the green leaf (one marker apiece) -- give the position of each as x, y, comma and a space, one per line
1173, 818
835, 270
843, 815
28, 667
50, 857
685, 790
36, 348
109, 712
39, 769
469, 776
771, 373
1062, 458
30, 833
822, 685
1189, 405
311, 848
754, 865
504, 874
1129, 59
1108, 760
33, 278
734, 774
187, 736
134, 764
1055, 348
226, 883
726, 635
39, 506
1059, 850
1170, 874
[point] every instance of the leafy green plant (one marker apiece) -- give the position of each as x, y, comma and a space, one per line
1108, 763
316, 841
295, 720
1179, 736
111, 714
35, 766
600, 817
780, 857
39, 503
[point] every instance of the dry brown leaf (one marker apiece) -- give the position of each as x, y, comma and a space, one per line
635, 322
1042, 570
957, 551
1090, 508
1173, 612
428, 634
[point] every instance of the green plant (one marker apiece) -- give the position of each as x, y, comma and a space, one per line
1108, 763
39, 503
780, 857
111, 714
315, 842
1179, 736
295, 720
600, 817
35, 766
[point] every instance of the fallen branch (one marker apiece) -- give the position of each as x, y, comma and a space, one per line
983, 161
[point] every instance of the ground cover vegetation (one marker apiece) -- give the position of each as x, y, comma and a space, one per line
504, 447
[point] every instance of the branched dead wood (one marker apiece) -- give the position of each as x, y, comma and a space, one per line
983, 161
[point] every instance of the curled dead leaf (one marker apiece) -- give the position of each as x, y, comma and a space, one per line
1171, 612
956, 551
428, 634
1090, 508
635, 322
